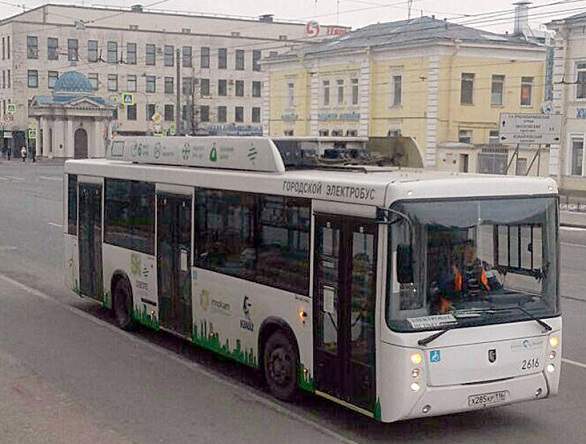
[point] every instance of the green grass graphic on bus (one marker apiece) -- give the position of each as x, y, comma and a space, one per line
205, 337
305, 379
145, 318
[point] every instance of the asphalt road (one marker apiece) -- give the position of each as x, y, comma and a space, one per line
68, 375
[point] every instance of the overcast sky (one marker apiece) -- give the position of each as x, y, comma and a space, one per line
493, 15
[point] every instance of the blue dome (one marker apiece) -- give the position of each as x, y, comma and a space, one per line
73, 81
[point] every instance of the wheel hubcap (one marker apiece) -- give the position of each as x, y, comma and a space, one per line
280, 366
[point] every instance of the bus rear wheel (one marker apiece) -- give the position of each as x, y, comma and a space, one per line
280, 366
123, 305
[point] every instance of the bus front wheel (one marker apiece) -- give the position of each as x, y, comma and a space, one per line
280, 366
123, 305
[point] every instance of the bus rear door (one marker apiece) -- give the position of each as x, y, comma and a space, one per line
90, 240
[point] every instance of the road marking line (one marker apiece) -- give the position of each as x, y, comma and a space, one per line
55, 225
573, 245
16, 178
269, 403
4, 178
577, 364
570, 228
60, 179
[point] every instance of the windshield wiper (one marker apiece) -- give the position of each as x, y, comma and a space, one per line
436, 335
546, 326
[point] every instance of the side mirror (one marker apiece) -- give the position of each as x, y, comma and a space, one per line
404, 264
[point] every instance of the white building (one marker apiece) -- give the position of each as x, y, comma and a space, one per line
569, 73
142, 55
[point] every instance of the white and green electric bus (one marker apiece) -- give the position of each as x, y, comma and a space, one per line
332, 280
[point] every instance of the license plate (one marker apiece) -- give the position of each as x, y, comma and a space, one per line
487, 398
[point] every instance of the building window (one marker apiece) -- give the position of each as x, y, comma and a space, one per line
340, 91
169, 85
93, 78
222, 58
239, 60
521, 166
465, 136
577, 156
222, 87
187, 57
150, 54
467, 89
222, 114
255, 88
255, 114
493, 137
204, 87
151, 109
32, 47
581, 81
256, 55
526, 91
52, 78
326, 93
151, 84
53, 48
112, 56
131, 83
205, 57
493, 160
131, 112
396, 90
169, 55
131, 53
8, 78
354, 91
239, 88
92, 51
112, 82
204, 113
187, 86
72, 50
33, 78
497, 90
239, 114
115, 114
169, 113
290, 94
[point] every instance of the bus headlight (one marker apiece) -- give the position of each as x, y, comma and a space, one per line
550, 368
415, 386
416, 358
552, 355
415, 372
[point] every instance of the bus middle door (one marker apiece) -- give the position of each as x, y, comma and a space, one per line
174, 262
344, 301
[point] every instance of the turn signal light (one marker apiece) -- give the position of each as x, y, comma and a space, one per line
416, 358
554, 341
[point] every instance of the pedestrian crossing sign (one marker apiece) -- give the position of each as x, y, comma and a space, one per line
11, 108
32, 134
127, 99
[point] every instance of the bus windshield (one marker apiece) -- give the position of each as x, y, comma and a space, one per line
472, 262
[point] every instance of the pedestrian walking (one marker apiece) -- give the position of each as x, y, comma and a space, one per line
23, 154
9, 152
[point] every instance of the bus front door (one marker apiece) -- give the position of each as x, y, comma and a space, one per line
344, 300
90, 240
174, 262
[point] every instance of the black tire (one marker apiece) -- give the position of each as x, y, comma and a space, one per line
281, 361
122, 305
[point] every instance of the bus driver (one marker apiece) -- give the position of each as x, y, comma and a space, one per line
468, 278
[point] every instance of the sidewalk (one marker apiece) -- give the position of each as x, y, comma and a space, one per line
573, 219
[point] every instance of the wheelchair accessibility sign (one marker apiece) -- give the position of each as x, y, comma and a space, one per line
435, 356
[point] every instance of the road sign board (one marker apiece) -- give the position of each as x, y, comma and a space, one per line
11, 108
157, 118
32, 134
127, 99
530, 128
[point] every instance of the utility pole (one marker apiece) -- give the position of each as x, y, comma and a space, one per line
178, 131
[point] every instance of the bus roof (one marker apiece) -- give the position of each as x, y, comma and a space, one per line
378, 186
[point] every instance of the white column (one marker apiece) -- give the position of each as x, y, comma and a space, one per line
95, 140
69, 149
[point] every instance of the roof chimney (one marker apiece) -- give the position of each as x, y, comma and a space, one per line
266, 18
136, 8
521, 18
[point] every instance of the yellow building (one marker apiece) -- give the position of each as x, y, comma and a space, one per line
425, 91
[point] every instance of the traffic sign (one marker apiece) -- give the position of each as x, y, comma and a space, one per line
32, 134
157, 118
8, 118
530, 128
11, 108
127, 99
